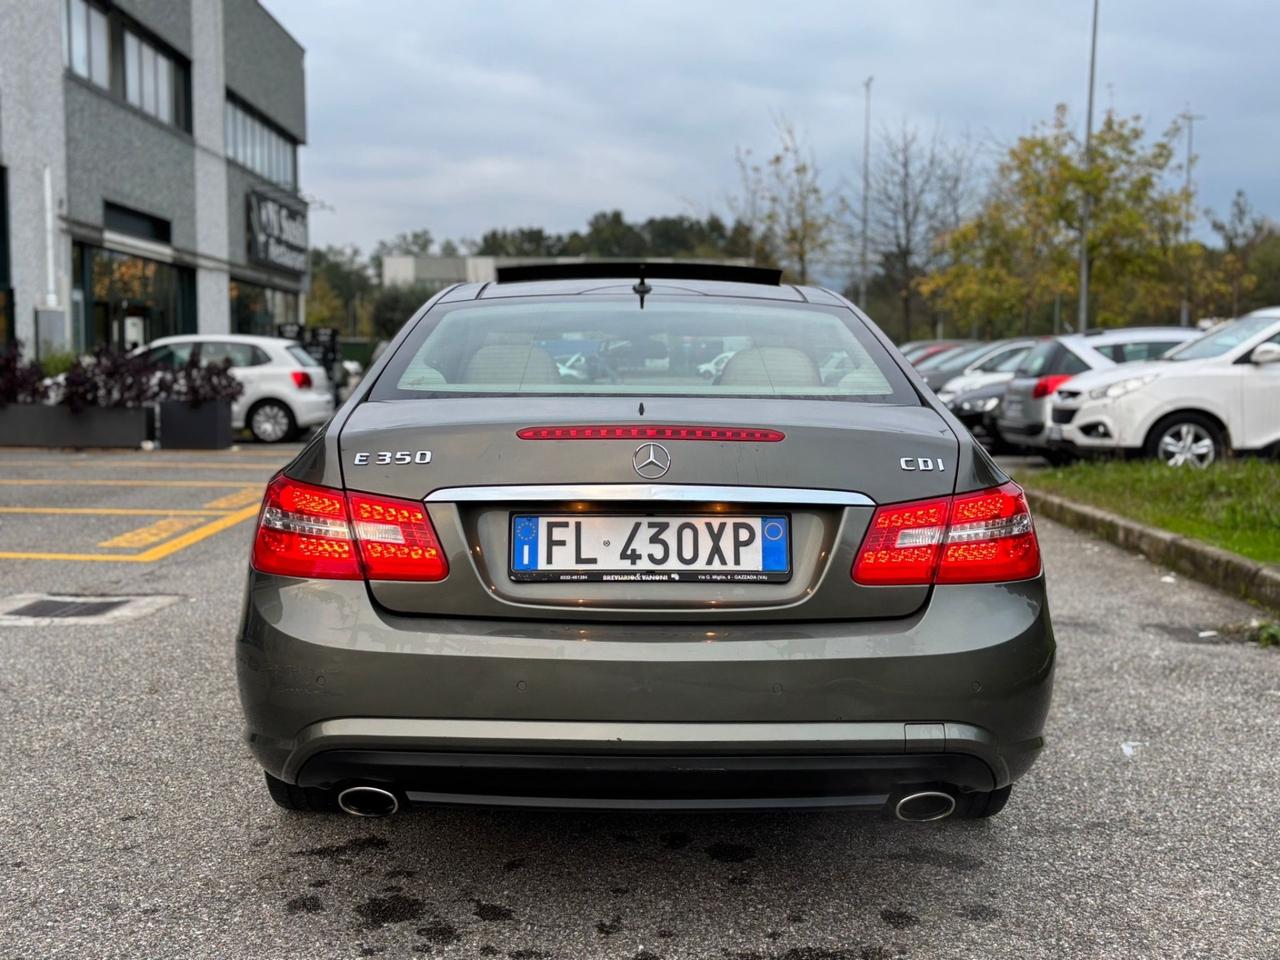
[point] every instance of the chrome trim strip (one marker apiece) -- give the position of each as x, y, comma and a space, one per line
662, 492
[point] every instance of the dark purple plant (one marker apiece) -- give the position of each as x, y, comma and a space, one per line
20, 381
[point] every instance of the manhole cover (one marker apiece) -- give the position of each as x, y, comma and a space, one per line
51, 609
62, 609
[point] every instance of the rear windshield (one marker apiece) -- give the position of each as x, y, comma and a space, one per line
301, 355
600, 345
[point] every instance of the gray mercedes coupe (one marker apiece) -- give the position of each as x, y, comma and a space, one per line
541, 558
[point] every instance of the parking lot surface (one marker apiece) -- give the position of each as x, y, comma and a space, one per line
133, 822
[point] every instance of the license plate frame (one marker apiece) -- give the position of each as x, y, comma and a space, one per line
521, 573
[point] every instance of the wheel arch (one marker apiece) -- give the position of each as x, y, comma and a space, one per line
1160, 421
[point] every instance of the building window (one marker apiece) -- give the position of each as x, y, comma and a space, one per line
254, 143
127, 301
149, 79
87, 43
146, 76
258, 310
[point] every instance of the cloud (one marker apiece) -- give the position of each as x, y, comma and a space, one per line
462, 117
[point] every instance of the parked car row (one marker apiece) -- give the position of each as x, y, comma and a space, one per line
1178, 394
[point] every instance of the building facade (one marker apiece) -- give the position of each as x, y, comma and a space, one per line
148, 171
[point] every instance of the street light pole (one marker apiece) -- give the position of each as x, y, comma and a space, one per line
1184, 315
866, 189
1082, 312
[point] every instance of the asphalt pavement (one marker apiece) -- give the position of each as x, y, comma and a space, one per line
133, 822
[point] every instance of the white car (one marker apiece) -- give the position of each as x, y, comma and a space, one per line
712, 368
1211, 396
996, 367
1023, 415
285, 388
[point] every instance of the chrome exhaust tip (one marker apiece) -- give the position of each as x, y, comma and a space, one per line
365, 801
924, 806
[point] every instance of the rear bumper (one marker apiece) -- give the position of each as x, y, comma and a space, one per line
957, 693
312, 407
645, 781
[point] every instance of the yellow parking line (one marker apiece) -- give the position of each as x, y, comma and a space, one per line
152, 533
50, 482
166, 464
114, 511
240, 498
157, 552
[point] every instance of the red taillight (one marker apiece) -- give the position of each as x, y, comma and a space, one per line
979, 537
301, 379
310, 531
1046, 385
397, 541
303, 532
655, 432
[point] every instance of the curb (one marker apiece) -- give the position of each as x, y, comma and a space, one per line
1219, 568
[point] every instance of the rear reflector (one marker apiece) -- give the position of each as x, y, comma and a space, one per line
301, 379
307, 531
982, 537
647, 432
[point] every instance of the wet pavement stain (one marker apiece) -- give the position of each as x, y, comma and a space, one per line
607, 928
979, 912
339, 851
675, 840
379, 911
307, 903
439, 932
491, 911
939, 858
514, 864
899, 919
730, 852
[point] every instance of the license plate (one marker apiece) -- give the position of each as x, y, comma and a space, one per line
1012, 407
1055, 432
662, 549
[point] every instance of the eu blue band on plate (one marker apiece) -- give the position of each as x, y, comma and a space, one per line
773, 545
524, 547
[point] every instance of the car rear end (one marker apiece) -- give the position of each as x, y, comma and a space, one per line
483, 584
304, 384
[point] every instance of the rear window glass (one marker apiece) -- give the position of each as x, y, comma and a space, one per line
676, 347
301, 355
1035, 361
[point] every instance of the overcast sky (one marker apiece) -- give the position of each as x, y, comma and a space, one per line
460, 116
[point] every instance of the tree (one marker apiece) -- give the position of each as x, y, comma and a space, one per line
324, 306
347, 277
781, 210
1242, 232
1017, 254
392, 306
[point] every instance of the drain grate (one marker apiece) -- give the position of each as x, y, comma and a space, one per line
62, 608
55, 609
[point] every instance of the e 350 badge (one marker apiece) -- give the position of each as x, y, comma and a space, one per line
392, 456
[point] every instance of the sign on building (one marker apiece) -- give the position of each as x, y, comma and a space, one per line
277, 234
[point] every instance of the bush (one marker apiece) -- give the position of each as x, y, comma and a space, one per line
112, 378
20, 382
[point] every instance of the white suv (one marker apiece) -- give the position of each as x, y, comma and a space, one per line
1023, 414
1218, 393
285, 388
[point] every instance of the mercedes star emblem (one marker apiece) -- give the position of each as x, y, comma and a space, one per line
651, 460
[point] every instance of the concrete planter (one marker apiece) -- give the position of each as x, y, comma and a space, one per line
39, 425
182, 426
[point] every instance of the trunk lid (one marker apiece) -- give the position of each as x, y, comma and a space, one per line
441, 449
